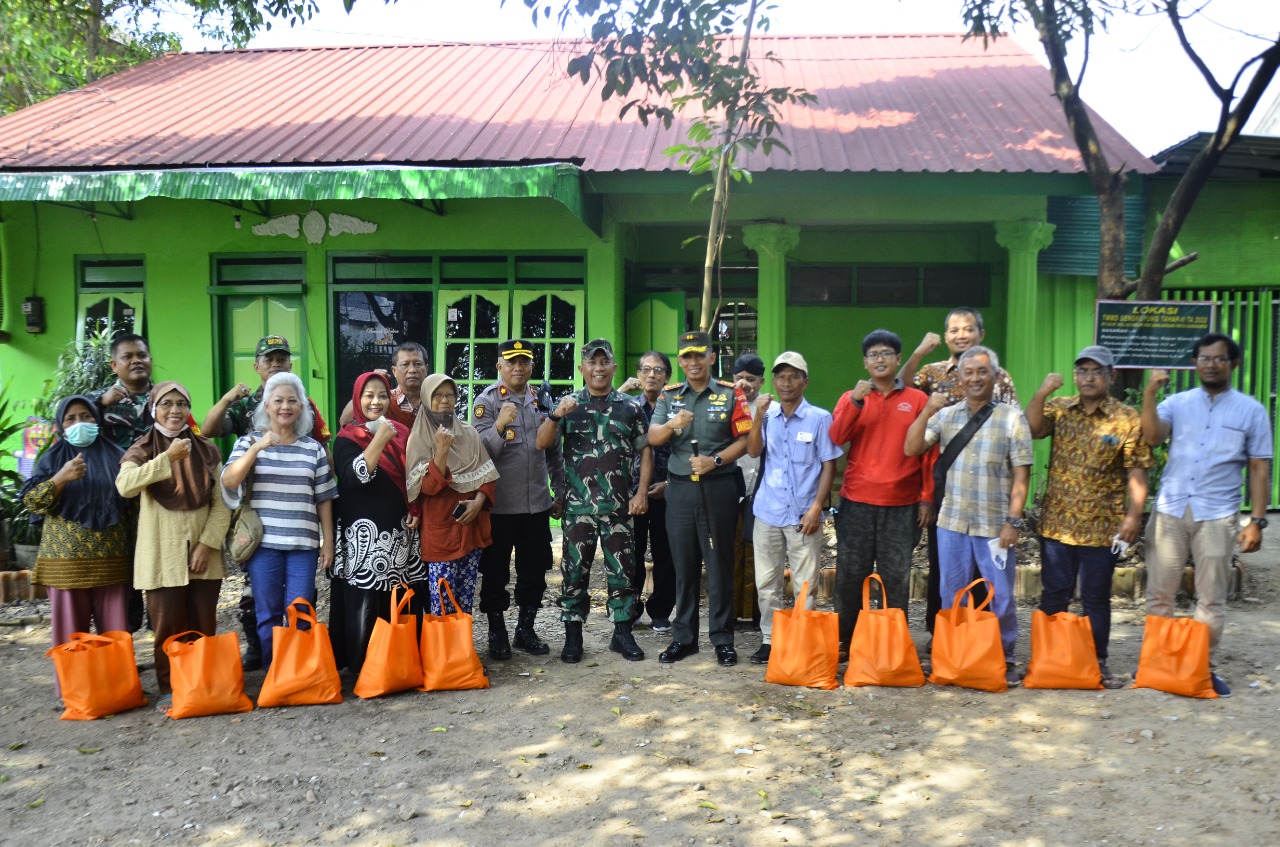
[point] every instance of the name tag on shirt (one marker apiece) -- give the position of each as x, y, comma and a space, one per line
804, 437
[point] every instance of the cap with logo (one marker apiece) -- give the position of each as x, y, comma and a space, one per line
693, 342
1097, 353
272, 343
793, 359
597, 345
514, 348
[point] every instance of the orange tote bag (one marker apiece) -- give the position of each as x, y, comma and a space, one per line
806, 646
1175, 657
1063, 654
881, 651
303, 671
392, 663
206, 675
966, 644
98, 675
449, 658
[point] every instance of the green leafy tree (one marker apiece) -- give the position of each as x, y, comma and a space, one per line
1064, 25
660, 57
51, 46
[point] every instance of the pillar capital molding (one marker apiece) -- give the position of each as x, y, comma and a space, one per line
1024, 236
774, 239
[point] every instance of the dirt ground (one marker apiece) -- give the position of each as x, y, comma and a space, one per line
611, 752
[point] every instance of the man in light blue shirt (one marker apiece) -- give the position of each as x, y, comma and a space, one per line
798, 465
1215, 433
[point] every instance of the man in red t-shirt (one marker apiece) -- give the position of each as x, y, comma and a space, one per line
886, 497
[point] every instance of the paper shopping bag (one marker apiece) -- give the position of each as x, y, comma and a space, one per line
392, 662
303, 671
449, 658
1063, 654
1175, 657
805, 646
966, 644
98, 675
206, 674
881, 651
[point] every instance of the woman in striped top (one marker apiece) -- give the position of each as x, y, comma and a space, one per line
292, 492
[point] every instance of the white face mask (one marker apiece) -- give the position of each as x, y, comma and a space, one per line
373, 425
82, 434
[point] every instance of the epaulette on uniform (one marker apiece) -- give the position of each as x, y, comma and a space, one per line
672, 386
725, 383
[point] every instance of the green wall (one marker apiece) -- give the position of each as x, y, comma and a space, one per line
1234, 226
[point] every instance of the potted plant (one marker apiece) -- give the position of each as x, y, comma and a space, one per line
14, 523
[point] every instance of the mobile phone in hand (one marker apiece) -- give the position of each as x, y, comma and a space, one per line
459, 510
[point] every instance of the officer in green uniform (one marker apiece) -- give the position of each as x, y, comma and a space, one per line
602, 433
124, 404
710, 417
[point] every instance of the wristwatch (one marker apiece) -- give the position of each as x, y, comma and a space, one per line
1017, 523
716, 458
554, 418
1260, 523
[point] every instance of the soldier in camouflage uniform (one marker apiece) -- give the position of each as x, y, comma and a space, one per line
603, 433
125, 416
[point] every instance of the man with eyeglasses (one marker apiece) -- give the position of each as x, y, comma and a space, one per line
507, 416
409, 367
1214, 433
603, 435
886, 496
233, 415
1098, 456
651, 527
706, 422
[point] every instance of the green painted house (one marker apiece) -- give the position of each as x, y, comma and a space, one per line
353, 198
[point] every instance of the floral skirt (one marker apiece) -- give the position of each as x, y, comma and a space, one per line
461, 574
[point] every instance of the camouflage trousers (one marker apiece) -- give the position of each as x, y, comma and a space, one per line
615, 536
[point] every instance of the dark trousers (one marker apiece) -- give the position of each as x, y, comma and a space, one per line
354, 611
702, 520
1061, 565
872, 538
651, 532
529, 536
179, 609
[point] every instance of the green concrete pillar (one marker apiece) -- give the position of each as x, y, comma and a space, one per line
771, 242
1021, 354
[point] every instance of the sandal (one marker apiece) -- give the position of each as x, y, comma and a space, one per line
164, 704
1111, 681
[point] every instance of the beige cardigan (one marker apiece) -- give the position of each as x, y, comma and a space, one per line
165, 537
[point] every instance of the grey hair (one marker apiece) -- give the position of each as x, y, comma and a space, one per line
306, 420
979, 350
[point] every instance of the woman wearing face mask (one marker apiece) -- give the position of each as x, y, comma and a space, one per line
293, 491
377, 546
451, 476
84, 549
181, 523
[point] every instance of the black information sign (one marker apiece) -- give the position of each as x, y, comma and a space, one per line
1153, 333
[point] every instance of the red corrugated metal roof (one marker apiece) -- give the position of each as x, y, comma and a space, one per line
908, 103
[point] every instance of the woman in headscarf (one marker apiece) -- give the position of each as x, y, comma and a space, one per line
181, 523
451, 476
292, 492
377, 526
84, 549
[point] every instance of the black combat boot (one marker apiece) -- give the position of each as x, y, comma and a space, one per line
499, 646
527, 639
252, 659
625, 643
572, 652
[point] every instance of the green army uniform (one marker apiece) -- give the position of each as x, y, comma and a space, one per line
127, 421
239, 417
602, 440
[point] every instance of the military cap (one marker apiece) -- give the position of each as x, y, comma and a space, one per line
513, 348
271, 343
693, 342
597, 345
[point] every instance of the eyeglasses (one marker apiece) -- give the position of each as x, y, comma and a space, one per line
877, 355
652, 369
450, 397
1090, 373
180, 405
1212, 360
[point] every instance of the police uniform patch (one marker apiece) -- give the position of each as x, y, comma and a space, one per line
509, 434
479, 412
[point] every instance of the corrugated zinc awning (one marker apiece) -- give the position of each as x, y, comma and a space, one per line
560, 182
